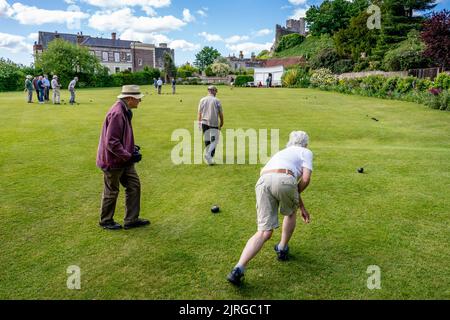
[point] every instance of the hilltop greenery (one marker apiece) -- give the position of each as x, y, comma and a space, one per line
339, 37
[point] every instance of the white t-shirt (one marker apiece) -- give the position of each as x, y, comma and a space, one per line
292, 158
159, 83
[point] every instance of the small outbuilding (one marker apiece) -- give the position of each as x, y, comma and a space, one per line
262, 74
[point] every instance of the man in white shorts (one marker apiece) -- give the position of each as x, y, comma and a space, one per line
282, 180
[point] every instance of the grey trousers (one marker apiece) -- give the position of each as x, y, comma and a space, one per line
30, 95
129, 178
72, 97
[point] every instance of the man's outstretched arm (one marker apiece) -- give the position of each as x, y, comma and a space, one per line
304, 183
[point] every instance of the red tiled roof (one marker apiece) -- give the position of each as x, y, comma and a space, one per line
285, 62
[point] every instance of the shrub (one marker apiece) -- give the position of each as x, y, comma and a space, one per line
445, 100
323, 78
326, 58
407, 55
209, 72
371, 85
242, 80
296, 78
220, 69
389, 86
405, 85
443, 81
289, 41
343, 66
422, 85
361, 66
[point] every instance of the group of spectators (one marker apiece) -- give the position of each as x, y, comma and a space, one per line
42, 86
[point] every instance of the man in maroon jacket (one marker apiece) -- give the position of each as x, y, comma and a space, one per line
117, 156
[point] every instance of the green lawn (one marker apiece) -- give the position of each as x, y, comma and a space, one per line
396, 216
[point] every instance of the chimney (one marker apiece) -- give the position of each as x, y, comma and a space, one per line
241, 55
56, 35
80, 38
114, 36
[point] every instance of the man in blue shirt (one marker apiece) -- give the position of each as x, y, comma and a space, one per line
41, 88
46, 88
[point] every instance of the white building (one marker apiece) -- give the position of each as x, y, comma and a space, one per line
261, 75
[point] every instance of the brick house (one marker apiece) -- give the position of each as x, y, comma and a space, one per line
115, 54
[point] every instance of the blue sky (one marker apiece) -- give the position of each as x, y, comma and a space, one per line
186, 25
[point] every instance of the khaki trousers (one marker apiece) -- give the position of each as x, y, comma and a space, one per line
129, 179
56, 96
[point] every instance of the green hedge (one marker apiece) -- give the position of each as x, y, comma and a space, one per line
242, 80
12, 77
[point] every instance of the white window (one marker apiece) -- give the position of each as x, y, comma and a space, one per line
92, 53
128, 57
116, 57
105, 56
140, 62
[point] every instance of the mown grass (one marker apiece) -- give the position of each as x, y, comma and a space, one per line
395, 216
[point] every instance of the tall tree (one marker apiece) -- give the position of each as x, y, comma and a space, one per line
333, 15
67, 60
357, 38
436, 35
169, 67
206, 57
399, 17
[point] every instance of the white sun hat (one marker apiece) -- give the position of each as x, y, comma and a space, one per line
132, 91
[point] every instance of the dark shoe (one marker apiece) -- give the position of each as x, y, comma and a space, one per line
137, 224
283, 255
111, 226
235, 276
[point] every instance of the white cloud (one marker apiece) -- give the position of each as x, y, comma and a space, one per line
184, 45
14, 43
128, 3
263, 32
28, 15
70, 1
5, 9
211, 37
149, 11
248, 47
202, 13
298, 2
33, 36
155, 38
299, 13
145, 37
236, 39
187, 16
121, 20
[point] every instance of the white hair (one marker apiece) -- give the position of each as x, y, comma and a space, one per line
298, 139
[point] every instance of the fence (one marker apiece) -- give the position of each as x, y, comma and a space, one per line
431, 73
